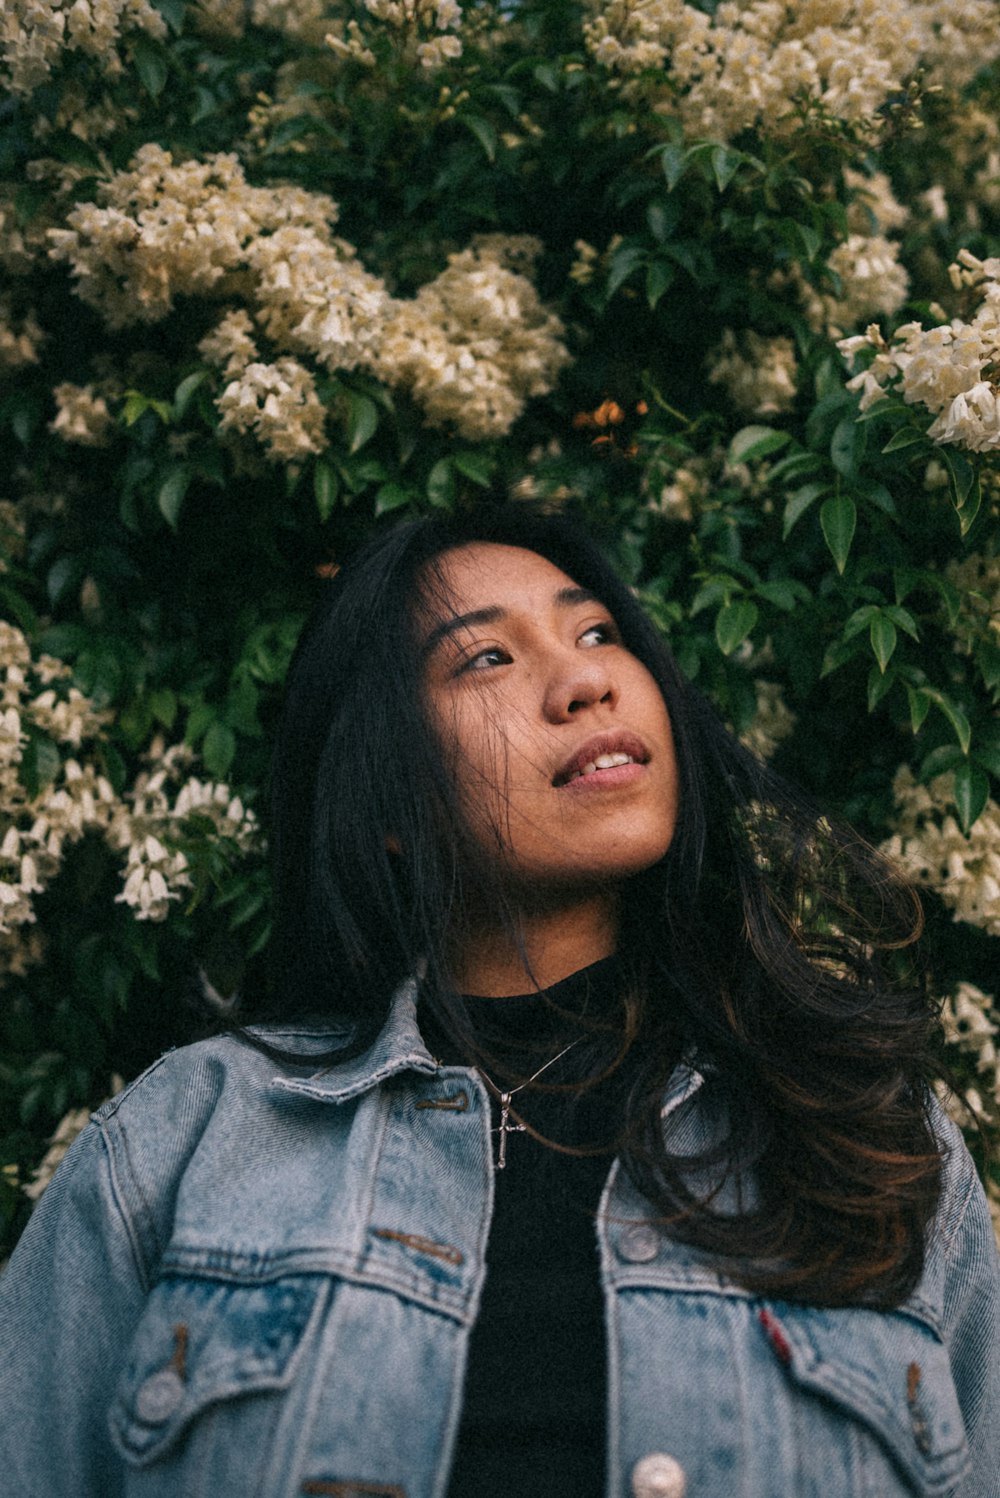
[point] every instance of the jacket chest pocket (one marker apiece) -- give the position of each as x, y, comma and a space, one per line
202, 1386
769, 1400
887, 1375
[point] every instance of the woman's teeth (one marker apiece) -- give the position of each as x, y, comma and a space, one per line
602, 762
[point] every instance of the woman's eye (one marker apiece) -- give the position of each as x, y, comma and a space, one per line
483, 660
600, 634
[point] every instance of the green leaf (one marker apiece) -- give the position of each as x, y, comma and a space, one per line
811, 238
798, 503
879, 685
484, 131
200, 719
903, 620
218, 749
170, 495
733, 623
172, 12
906, 437
186, 389
844, 446
961, 475
441, 484
859, 620
725, 165
783, 593
137, 404
476, 466
755, 442
988, 755
151, 64
362, 420
623, 263
63, 575
163, 705
659, 278
674, 161
972, 789
940, 760
391, 497
326, 487
883, 636
955, 715
970, 509
838, 519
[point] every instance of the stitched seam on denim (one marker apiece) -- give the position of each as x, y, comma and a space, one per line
132, 1231
452, 1301
110, 1108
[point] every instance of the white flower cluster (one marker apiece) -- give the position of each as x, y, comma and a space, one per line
35, 830
873, 207
772, 722
426, 30
757, 373
755, 64
949, 369
871, 278
162, 230
316, 298
34, 34
475, 343
970, 1024
279, 405
302, 20
82, 415
149, 823
77, 799
687, 487
935, 853
472, 346
20, 338
977, 579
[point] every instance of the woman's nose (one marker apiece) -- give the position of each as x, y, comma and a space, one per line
582, 681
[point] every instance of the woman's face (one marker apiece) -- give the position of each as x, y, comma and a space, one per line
559, 736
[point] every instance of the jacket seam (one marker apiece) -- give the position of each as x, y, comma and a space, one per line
118, 1195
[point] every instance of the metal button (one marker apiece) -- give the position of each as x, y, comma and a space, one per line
639, 1243
159, 1396
658, 1476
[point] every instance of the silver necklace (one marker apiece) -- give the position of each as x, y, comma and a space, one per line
505, 1126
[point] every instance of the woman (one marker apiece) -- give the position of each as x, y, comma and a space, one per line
581, 1143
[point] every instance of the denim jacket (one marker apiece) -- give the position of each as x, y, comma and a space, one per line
248, 1280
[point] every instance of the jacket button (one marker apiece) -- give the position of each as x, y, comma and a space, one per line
639, 1243
159, 1396
658, 1476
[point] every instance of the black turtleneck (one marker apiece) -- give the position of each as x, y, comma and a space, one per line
533, 1420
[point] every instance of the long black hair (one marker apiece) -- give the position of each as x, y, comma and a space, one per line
759, 946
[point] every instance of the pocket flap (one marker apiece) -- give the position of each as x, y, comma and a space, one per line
201, 1341
887, 1370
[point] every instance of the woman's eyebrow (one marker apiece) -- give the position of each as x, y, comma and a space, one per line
493, 614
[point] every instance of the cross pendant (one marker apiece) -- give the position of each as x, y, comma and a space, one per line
505, 1128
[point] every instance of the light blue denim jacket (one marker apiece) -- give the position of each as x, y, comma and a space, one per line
251, 1280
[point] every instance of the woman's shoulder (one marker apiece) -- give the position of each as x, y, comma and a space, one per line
238, 1061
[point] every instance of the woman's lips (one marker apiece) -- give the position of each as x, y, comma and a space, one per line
608, 779
600, 759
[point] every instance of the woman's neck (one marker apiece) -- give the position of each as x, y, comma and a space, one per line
548, 946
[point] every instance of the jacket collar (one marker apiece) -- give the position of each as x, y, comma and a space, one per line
397, 1047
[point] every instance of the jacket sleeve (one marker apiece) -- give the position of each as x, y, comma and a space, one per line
69, 1301
972, 1320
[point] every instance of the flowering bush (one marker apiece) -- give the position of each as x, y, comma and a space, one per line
723, 279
